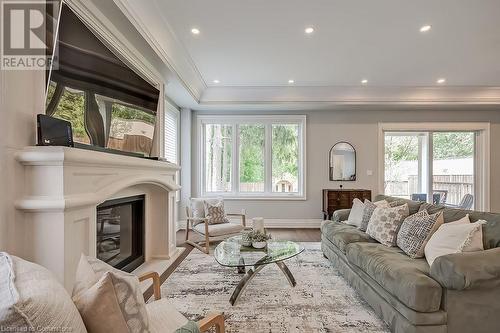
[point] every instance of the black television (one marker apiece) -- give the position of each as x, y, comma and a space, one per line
107, 103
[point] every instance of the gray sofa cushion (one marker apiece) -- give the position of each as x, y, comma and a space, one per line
413, 206
342, 234
406, 279
468, 270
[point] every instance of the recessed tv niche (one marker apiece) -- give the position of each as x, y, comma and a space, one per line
106, 102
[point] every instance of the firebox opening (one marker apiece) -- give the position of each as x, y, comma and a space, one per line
120, 232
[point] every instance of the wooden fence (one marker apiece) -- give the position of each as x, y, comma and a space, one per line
456, 186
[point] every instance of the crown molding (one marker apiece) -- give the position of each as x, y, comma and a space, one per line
157, 32
104, 29
351, 95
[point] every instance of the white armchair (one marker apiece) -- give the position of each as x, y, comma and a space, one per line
197, 222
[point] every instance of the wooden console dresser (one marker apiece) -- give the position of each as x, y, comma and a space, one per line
341, 199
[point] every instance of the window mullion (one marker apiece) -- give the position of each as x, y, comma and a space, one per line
268, 186
236, 160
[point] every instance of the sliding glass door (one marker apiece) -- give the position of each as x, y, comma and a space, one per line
453, 168
435, 166
406, 165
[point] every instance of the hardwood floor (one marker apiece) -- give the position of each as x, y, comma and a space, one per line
296, 235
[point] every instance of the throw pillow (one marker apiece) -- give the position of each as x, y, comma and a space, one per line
91, 270
356, 214
104, 308
215, 212
416, 231
385, 222
198, 208
32, 300
368, 211
455, 238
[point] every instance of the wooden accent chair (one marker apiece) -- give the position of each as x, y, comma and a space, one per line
162, 313
197, 222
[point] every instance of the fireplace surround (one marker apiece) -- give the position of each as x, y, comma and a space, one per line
63, 189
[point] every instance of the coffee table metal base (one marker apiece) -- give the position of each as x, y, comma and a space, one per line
240, 288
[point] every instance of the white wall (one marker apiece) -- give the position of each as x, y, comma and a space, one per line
22, 97
360, 128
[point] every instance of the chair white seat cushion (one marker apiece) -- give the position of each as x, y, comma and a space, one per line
163, 317
221, 229
31, 299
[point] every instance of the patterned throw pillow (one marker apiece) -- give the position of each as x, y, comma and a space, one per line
110, 305
215, 212
385, 222
368, 211
416, 231
128, 291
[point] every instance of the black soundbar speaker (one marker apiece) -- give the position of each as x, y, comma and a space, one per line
53, 131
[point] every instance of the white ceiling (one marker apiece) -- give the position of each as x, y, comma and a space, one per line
254, 48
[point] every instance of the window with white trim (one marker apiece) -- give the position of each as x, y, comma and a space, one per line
440, 163
171, 133
252, 156
171, 139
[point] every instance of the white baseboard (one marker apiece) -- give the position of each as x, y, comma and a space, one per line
277, 223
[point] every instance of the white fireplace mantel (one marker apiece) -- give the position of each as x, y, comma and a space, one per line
64, 186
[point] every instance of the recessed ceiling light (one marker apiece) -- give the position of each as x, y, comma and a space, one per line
441, 81
216, 81
291, 81
309, 30
195, 31
425, 28
364, 81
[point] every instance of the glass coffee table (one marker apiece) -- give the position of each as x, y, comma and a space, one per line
231, 253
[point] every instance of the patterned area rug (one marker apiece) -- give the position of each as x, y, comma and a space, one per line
322, 301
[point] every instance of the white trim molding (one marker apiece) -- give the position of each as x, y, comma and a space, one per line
481, 159
267, 121
108, 33
151, 24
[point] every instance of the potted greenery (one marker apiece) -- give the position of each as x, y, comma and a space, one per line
259, 239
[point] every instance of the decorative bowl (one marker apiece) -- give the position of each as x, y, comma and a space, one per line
259, 245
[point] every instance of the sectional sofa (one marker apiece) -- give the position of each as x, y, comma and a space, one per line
460, 293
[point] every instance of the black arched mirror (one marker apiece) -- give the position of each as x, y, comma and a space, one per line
342, 162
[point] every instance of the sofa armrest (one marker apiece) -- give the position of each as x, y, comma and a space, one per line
340, 215
468, 270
